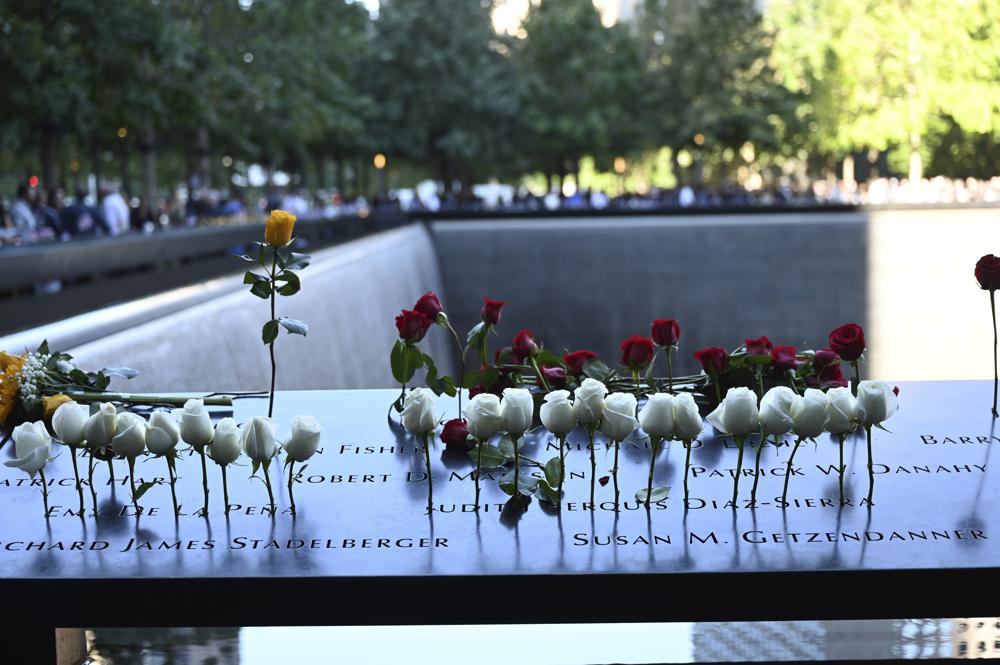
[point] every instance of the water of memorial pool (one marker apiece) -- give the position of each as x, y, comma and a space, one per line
551, 645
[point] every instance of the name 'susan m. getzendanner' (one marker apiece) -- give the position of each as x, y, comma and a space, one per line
757, 537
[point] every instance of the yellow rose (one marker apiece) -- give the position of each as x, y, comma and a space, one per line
8, 384
278, 231
52, 402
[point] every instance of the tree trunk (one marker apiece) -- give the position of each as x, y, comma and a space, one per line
319, 164
916, 161
126, 180
850, 182
148, 149
49, 147
340, 177
204, 170
95, 166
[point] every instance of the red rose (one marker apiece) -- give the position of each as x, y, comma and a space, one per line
555, 376
456, 433
848, 340
783, 358
429, 305
832, 377
823, 359
576, 360
524, 345
713, 359
759, 347
491, 311
666, 332
412, 326
637, 352
988, 272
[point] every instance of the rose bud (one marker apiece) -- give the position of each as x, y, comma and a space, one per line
429, 305
761, 346
483, 415
713, 359
666, 332
657, 416
619, 416
257, 438
876, 402
32, 446
226, 446
737, 414
841, 411
848, 341
456, 434
163, 433
100, 427
278, 231
637, 352
832, 377
783, 358
516, 411
491, 311
130, 435
555, 376
418, 411
557, 413
809, 413
687, 418
196, 424
304, 441
524, 345
412, 326
988, 272
776, 411
588, 401
51, 403
577, 359
823, 359
68, 422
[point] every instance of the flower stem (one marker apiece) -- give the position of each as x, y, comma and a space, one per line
670, 368
562, 466
291, 493
461, 366
111, 467
479, 467
842, 437
760, 382
871, 470
718, 390
655, 446
739, 468
993, 311
267, 482
517, 467
593, 463
788, 469
541, 377
614, 472
430, 478
687, 468
173, 480
204, 476
756, 469
274, 285
90, 481
131, 482
45, 492
129, 398
857, 377
76, 475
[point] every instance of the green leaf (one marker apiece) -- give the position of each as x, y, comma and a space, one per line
404, 360
270, 331
552, 472
282, 255
544, 357
526, 483
142, 489
254, 467
759, 359
549, 492
247, 258
43, 348
250, 277
396, 362
474, 334
291, 284
596, 369
123, 372
261, 289
297, 261
491, 458
293, 326
506, 446
659, 494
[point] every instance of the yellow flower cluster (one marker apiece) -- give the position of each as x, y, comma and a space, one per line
10, 367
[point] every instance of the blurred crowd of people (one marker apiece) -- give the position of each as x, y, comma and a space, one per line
35, 215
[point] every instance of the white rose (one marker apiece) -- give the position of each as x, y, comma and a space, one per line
226, 446
418, 411
619, 416
130, 435
657, 416
163, 432
588, 401
32, 445
809, 413
737, 415
557, 413
304, 440
516, 411
687, 419
483, 415
841, 411
776, 411
876, 402
68, 422
100, 427
196, 424
257, 438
